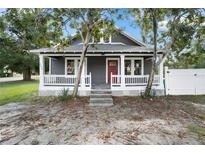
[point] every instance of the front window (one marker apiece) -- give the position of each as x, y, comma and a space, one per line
137, 67
127, 67
70, 67
133, 67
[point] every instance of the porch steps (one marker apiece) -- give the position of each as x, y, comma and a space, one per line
101, 97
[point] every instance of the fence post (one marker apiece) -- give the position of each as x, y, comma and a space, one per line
166, 74
195, 78
161, 75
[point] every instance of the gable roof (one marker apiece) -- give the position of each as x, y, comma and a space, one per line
114, 47
133, 39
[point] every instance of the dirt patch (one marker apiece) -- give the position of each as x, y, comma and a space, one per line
132, 120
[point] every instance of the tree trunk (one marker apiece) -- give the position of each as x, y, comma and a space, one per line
149, 84
154, 66
27, 74
144, 30
80, 67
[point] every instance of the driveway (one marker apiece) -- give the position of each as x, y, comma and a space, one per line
129, 121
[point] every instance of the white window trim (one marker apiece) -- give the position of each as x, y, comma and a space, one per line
118, 65
75, 64
132, 63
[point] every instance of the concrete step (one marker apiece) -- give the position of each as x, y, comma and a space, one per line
94, 95
101, 91
101, 97
101, 101
100, 104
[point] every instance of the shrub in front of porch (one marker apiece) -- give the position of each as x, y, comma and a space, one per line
64, 95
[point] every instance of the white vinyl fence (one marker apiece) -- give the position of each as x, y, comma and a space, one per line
185, 81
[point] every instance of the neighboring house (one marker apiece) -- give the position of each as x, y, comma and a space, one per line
121, 64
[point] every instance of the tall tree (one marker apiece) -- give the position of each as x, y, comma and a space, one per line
26, 31
155, 15
185, 32
88, 23
181, 24
142, 20
147, 20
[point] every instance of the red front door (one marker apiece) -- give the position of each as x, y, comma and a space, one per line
112, 67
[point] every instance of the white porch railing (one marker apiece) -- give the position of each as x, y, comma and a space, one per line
115, 80
133, 80
68, 80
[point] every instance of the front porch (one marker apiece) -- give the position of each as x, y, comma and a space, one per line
100, 73
116, 81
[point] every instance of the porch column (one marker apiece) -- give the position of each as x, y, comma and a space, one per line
49, 66
122, 67
41, 69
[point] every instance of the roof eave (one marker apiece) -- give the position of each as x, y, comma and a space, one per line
133, 39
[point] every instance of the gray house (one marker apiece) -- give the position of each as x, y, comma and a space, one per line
120, 64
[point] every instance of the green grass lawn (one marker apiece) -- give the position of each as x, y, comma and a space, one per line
17, 91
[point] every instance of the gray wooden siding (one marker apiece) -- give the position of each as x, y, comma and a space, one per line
58, 66
121, 38
147, 66
97, 67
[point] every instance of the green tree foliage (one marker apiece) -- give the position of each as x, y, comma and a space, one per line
183, 36
23, 30
147, 20
185, 32
88, 23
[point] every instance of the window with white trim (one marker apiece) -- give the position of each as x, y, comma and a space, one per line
104, 39
70, 67
127, 67
137, 67
72, 64
133, 66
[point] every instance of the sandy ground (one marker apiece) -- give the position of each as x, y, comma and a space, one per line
129, 121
